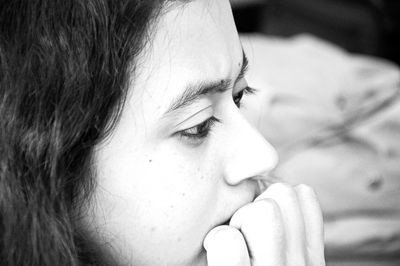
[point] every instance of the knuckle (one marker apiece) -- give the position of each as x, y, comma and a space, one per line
305, 188
263, 219
306, 191
283, 190
224, 239
265, 212
228, 234
267, 206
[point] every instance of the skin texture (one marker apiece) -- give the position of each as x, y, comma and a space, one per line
159, 194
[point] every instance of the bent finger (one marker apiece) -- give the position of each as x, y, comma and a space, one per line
262, 226
313, 221
286, 198
226, 246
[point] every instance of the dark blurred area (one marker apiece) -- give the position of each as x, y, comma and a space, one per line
360, 26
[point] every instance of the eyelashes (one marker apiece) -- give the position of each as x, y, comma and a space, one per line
238, 97
200, 131
197, 134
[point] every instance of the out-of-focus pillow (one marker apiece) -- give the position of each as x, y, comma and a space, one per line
334, 118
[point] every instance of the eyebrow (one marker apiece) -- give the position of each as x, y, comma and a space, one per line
195, 91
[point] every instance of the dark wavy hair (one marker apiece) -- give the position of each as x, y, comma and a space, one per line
64, 71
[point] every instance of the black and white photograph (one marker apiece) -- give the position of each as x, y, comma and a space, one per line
199, 133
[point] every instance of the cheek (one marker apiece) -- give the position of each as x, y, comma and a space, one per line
156, 205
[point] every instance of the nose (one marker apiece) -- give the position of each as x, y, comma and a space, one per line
249, 154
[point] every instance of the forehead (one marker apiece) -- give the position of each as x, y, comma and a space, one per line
192, 42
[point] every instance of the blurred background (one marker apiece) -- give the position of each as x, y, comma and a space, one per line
361, 26
328, 81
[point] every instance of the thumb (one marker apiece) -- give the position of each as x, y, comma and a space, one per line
225, 246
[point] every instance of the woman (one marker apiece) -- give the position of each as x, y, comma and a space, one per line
123, 141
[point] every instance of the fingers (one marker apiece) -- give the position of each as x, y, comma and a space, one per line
226, 246
286, 198
313, 222
283, 226
262, 226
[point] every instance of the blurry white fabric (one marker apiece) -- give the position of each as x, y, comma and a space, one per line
334, 118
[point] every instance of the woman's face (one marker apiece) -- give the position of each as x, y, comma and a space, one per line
182, 158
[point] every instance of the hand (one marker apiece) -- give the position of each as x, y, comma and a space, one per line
282, 227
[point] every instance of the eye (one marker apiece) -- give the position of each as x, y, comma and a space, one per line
199, 132
238, 97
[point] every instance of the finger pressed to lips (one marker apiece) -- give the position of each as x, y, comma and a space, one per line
262, 226
283, 226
